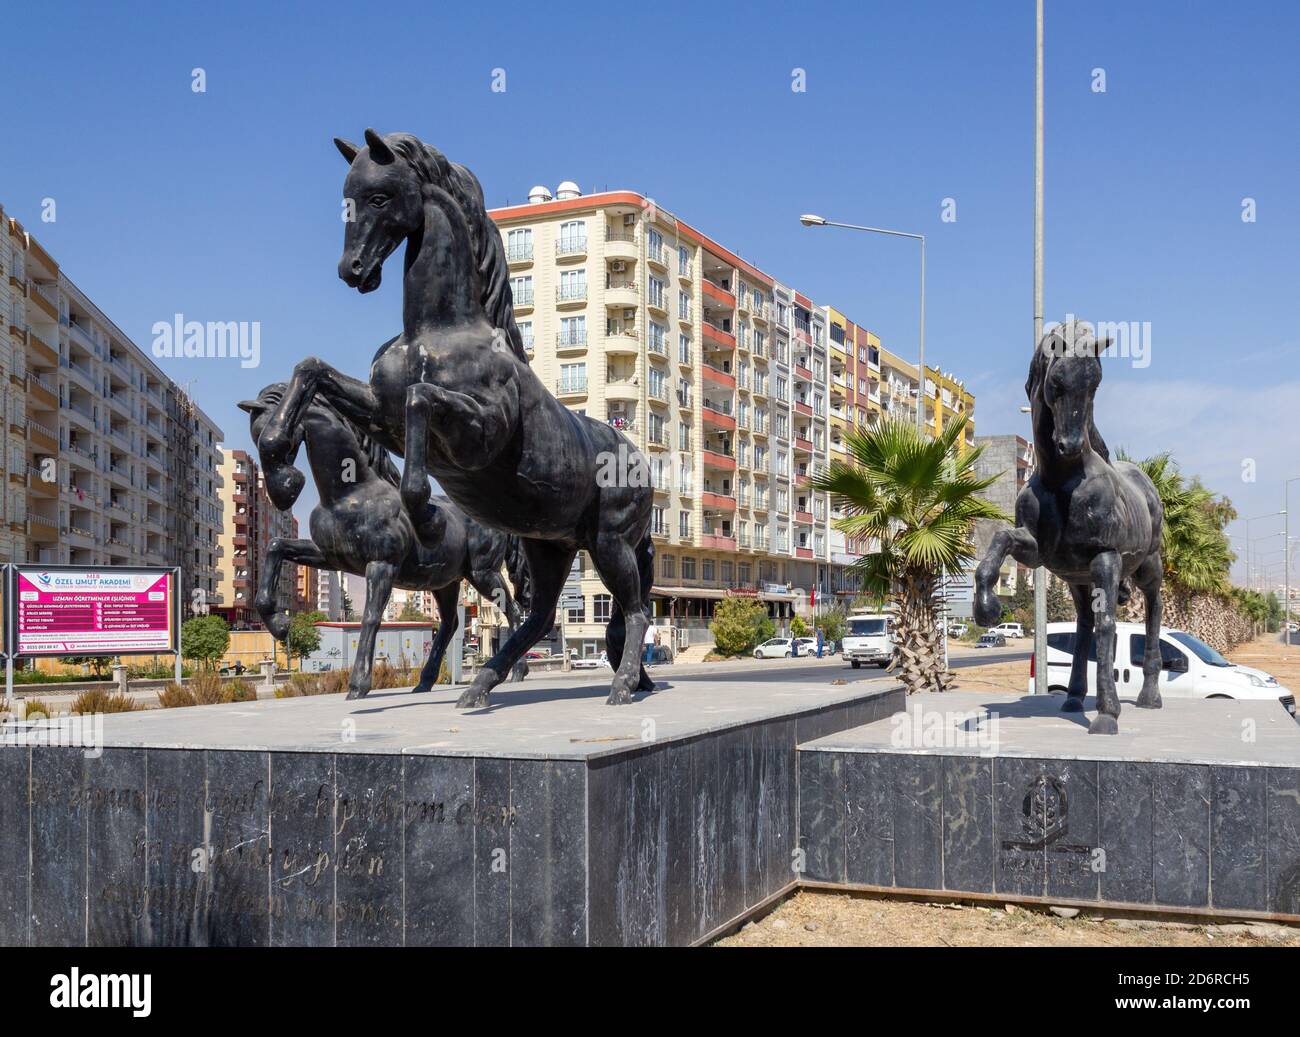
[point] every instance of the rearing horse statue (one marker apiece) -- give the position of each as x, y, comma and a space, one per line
454, 395
1094, 523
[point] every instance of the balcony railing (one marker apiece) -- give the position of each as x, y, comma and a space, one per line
620, 233
570, 246
570, 292
567, 386
564, 339
519, 253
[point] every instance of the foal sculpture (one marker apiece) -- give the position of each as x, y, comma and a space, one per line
455, 396
1093, 522
361, 527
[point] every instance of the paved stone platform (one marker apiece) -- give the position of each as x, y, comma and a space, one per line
1194, 807
547, 819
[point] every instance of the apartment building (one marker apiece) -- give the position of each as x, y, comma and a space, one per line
252, 522
107, 461
713, 368
1009, 460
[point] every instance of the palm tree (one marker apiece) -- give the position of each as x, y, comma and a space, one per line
919, 499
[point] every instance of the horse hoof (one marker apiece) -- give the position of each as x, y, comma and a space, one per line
1103, 724
1072, 704
357, 693
421, 687
1153, 702
476, 695
620, 693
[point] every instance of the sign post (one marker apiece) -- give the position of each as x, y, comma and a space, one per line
69, 610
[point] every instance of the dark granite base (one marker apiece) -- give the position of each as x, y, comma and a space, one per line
1202, 837
661, 843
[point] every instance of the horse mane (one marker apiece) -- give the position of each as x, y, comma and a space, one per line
1038, 368
431, 166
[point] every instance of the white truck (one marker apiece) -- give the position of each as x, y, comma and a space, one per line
869, 638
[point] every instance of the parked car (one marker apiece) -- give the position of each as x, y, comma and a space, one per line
1189, 668
869, 638
589, 662
775, 648
537, 653
807, 645
958, 629
991, 639
1008, 630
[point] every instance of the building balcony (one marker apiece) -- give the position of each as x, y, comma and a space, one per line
717, 542
571, 387
717, 376
714, 459
620, 243
803, 552
519, 255
717, 419
571, 341
803, 444
570, 295
713, 333
522, 300
42, 437
804, 517
622, 296
718, 294
720, 501
657, 256
624, 389
571, 248
622, 343
803, 408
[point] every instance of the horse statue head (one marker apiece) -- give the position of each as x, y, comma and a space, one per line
284, 482
1063, 379
391, 181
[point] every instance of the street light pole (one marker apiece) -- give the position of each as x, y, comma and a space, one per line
1286, 555
809, 220
1040, 573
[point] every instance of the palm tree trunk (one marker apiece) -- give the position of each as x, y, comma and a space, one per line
918, 646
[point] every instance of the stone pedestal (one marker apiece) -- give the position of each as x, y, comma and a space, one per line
1192, 807
549, 819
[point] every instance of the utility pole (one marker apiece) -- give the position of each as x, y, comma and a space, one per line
1040, 573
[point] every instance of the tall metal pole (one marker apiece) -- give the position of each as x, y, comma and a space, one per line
1286, 556
1040, 573
920, 403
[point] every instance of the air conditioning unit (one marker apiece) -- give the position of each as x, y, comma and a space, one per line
618, 266
629, 219
629, 314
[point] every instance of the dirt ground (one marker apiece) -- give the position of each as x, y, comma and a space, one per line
811, 918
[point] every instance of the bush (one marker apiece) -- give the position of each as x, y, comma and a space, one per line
385, 675
205, 639
35, 709
798, 627
100, 701
738, 625
207, 689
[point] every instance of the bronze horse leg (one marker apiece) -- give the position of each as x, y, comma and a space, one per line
1017, 542
1081, 594
379, 587
448, 598
1149, 577
1106, 568
302, 552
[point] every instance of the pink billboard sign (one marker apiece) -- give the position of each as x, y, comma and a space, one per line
93, 611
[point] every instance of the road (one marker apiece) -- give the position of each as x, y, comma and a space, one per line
765, 671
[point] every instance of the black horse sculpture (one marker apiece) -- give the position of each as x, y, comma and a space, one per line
361, 527
1094, 523
455, 396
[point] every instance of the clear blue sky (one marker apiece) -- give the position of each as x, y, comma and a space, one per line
224, 205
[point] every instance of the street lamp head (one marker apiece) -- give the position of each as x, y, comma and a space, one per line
809, 220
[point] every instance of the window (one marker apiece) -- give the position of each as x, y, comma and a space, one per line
688, 568
658, 524
602, 605
684, 530
683, 306
656, 339
573, 237
519, 244
654, 244
578, 615
658, 429
683, 348
573, 285
707, 570
521, 288
683, 260
658, 384
573, 377
668, 566
573, 331
655, 289
526, 333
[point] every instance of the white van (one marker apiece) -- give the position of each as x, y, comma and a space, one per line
869, 638
1189, 668
1008, 630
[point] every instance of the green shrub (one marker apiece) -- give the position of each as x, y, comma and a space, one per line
99, 701
738, 625
35, 709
